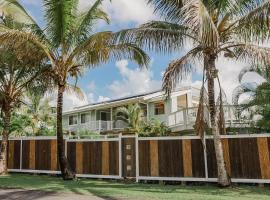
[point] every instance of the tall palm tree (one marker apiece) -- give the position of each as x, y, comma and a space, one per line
71, 42
18, 72
132, 115
214, 28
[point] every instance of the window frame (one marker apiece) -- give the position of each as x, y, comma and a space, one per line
157, 108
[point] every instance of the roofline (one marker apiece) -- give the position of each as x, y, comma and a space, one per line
120, 100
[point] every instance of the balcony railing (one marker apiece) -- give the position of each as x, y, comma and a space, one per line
186, 118
97, 126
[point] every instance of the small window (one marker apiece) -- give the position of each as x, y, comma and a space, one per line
159, 108
84, 118
73, 120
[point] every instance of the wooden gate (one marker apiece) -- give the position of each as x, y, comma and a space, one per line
128, 157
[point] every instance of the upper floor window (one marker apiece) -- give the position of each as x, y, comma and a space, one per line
159, 108
84, 118
72, 120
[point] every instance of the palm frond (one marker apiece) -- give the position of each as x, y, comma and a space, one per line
169, 9
159, 36
254, 25
196, 16
87, 19
13, 9
100, 48
241, 89
180, 68
60, 16
252, 53
261, 70
73, 89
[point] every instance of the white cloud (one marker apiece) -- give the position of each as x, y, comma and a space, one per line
102, 98
133, 81
70, 100
125, 10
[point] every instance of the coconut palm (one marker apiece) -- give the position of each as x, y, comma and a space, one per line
18, 72
71, 43
132, 115
214, 28
250, 87
39, 111
258, 93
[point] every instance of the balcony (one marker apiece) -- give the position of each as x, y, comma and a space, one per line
185, 119
97, 126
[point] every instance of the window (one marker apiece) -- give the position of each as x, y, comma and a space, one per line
73, 120
159, 108
84, 118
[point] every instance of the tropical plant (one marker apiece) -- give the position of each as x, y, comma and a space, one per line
71, 43
214, 28
154, 128
18, 72
258, 93
40, 112
132, 115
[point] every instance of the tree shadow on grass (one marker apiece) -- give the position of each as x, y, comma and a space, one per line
114, 189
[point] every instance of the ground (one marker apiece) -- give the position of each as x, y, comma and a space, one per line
37, 187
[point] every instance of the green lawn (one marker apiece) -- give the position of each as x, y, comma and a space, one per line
116, 190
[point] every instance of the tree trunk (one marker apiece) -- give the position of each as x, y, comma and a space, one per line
4, 143
66, 171
223, 178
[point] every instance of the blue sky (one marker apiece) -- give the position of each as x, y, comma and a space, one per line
122, 78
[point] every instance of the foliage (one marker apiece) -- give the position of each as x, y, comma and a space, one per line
132, 115
259, 95
154, 128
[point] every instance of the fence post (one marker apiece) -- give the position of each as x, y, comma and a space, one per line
21, 155
120, 154
137, 157
66, 145
205, 157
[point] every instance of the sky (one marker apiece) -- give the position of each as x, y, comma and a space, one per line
123, 78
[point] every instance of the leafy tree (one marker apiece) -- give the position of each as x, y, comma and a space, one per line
71, 43
132, 115
154, 128
214, 28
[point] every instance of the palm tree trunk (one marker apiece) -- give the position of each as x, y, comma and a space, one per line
4, 143
66, 171
223, 178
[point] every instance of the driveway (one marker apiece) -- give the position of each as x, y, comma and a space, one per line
20, 194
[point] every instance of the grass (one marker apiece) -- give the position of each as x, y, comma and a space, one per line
118, 190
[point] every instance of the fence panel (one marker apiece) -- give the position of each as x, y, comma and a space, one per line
187, 158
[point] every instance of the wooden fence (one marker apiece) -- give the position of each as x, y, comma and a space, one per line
184, 158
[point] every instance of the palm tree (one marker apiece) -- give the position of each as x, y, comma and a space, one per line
259, 94
250, 87
39, 111
132, 115
214, 28
18, 73
70, 42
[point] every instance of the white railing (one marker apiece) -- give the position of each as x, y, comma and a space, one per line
186, 117
97, 126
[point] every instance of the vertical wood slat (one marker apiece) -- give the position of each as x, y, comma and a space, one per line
32, 154
226, 151
53, 155
79, 157
264, 157
11, 155
187, 158
154, 158
105, 158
